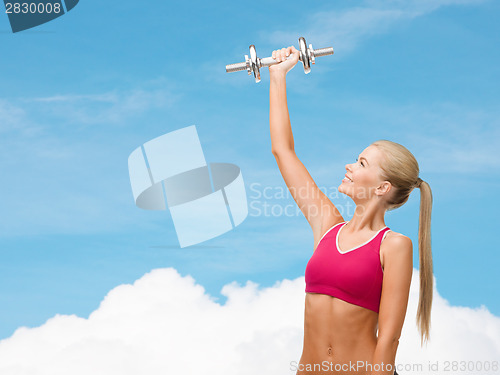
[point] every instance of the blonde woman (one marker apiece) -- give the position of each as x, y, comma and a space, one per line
358, 277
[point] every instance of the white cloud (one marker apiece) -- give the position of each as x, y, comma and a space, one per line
78, 174
448, 139
110, 97
463, 139
13, 118
167, 324
347, 28
107, 108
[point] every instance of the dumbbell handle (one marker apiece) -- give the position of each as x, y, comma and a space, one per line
268, 61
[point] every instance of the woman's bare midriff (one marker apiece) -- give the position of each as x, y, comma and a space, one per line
339, 337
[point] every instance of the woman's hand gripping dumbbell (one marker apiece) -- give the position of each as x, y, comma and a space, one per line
287, 58
253, 63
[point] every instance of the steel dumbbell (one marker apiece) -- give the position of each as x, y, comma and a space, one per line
253, 64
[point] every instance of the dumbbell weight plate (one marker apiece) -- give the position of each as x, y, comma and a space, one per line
304, 55
311, 54
254, 61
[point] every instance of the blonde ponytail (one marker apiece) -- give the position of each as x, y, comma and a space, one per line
425, 262
401, 169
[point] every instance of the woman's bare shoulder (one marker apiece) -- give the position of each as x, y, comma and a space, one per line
394, 239
392, 234
392, 244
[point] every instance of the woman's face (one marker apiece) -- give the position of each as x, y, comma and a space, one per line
363, 176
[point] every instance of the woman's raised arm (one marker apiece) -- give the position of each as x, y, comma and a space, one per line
319, 211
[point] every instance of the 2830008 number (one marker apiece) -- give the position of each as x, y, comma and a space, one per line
471, 366
38, 8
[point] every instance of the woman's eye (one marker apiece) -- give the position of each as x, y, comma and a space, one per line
361, 162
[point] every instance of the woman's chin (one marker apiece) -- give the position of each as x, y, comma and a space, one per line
342, 189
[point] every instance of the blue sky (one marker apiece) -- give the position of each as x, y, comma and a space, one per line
80, 93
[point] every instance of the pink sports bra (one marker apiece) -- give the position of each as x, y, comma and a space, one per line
354, 276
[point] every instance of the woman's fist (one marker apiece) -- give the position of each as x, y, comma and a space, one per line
285, 64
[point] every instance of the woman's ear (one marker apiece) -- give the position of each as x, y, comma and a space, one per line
384, 188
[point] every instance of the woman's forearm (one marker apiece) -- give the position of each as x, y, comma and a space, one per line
383, 361
279, 119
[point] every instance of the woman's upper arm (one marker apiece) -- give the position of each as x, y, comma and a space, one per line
314, 204
398, 269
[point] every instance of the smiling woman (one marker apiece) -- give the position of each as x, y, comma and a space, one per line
358, 278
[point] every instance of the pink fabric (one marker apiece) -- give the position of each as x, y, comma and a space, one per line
354, 276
